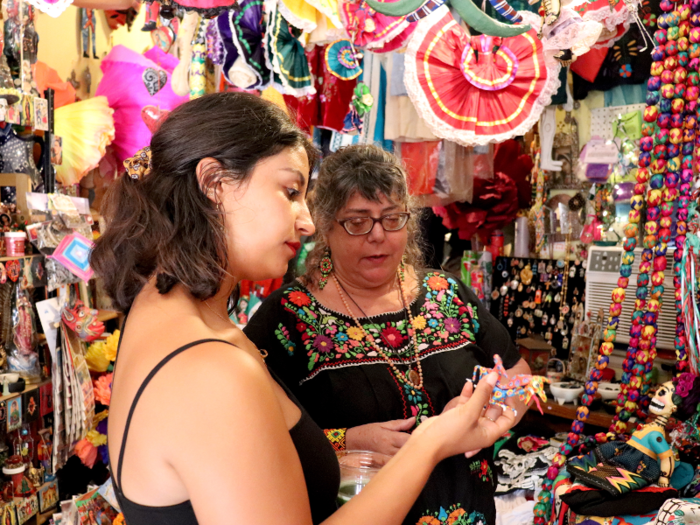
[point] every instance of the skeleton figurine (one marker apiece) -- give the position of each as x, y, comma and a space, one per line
619, 467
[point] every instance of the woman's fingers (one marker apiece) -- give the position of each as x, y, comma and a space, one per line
481, 395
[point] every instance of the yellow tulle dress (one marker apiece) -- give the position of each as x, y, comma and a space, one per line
86, 129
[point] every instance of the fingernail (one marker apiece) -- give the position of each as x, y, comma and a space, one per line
492, 378
469, 380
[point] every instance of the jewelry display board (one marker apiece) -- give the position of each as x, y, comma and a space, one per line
538, 296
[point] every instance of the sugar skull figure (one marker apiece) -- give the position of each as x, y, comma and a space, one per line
619, 467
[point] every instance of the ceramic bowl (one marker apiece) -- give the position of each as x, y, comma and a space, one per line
608, 391
566, 392
10, 378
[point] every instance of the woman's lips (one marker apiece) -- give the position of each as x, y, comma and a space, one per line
376, 259
294, 246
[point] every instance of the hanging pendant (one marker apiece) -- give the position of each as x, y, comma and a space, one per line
560, 324
413, 377
504, 289
565, 343
520, 287
572, 272
545, 318
557, 298
519, 312
510, 321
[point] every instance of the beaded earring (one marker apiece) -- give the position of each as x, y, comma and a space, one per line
326, 267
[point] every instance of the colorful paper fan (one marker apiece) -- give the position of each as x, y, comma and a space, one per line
368, 28
242, 33
286, 58
341, 60
87, 128
477, 91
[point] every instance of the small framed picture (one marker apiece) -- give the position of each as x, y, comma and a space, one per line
41, 114
56, 150
48, 496
14, 414
46, 397
9, 513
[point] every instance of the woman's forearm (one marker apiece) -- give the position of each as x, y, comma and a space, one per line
390, 495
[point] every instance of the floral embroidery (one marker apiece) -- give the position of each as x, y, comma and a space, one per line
482, 469
330, 340
299, 298
355, 333
437, 283
282, 335
455, 515
392, 336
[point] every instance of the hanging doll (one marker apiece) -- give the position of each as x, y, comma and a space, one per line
619, 467
87, 24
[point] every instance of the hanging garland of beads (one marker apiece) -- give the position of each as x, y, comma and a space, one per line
656, 239
675, 128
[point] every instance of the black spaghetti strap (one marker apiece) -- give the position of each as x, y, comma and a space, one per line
141, 389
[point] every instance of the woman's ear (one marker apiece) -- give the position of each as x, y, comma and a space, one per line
206, 171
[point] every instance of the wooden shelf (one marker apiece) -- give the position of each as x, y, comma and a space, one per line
5, 259
596, 418
28, 388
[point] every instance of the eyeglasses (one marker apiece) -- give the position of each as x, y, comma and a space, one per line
363, 225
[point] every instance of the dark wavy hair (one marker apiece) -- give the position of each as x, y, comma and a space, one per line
164, 224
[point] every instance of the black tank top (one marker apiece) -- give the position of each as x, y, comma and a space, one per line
321, 471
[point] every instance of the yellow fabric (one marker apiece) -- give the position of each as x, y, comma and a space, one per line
86, 128
300, 14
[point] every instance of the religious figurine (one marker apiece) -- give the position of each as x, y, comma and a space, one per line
88, 25
619, 467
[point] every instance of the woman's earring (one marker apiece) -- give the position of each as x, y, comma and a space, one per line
326, 268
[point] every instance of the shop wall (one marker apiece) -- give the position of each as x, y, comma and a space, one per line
60, 43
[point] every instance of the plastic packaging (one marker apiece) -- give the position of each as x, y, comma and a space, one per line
22, 356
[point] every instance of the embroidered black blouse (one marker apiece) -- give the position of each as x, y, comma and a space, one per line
343, 382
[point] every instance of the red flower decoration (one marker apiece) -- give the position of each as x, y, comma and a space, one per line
299, 298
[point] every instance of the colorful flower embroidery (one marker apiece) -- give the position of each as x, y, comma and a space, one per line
332, 340
626, 71
282, 335
323, 344
355, 333
482, 469
392, 336
419, 322
455, 515
437, 283
300, 298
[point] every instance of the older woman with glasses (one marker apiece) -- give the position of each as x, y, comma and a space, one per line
371, 343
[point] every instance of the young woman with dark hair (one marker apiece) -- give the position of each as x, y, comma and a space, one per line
203, 433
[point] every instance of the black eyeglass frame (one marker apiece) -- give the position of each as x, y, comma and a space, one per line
405, 214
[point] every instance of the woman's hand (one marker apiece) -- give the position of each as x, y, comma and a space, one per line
387, 437
467, 427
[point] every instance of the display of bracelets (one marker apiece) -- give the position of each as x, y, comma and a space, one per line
537, 297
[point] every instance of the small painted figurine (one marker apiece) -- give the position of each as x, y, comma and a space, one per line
88, 27
619, 467
83, 321
526, 387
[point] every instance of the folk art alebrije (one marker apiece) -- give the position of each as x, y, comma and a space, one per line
526, 387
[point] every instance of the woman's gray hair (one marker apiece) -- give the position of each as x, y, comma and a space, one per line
369, 171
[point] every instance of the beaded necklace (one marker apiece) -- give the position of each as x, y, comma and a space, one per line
413, 378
